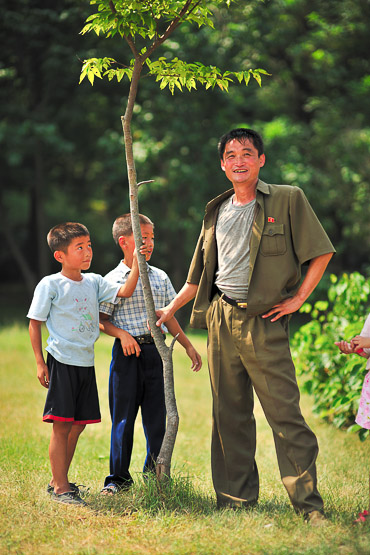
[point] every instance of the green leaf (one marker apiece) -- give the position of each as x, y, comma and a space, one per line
90, 76
164, 83
257, 77
247, 77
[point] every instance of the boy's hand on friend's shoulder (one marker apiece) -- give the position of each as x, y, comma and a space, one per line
195, 358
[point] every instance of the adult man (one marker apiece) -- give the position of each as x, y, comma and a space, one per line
245, 277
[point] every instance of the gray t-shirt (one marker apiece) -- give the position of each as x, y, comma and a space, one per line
233, 233
71, 312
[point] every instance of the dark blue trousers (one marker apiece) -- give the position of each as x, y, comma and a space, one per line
135, 382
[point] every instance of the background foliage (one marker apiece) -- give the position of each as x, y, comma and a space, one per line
61, 148
335, 380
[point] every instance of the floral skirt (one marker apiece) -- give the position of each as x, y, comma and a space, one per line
363, 415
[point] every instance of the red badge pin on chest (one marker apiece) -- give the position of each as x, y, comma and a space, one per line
270, 219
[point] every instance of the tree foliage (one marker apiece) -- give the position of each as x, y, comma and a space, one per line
313, 113
155, 22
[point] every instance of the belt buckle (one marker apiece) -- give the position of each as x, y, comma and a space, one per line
141, 339
241, 304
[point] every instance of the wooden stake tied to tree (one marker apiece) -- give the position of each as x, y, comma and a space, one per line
153, 21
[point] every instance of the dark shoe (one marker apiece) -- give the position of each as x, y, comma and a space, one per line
110, 489
316, 519
80, 489
69, 498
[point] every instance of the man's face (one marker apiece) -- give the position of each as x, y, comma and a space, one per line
241, 162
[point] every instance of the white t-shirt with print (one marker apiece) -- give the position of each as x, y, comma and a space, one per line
71, 312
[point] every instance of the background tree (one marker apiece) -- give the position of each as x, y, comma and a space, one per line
49, 133
314, 116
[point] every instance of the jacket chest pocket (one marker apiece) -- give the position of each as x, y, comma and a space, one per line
273, 240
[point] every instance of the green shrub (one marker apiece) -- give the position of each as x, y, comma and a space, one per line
334, 379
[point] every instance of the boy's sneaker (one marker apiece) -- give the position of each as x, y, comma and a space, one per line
80, 489
69, 498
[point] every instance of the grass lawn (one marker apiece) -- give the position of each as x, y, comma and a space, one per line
182, 519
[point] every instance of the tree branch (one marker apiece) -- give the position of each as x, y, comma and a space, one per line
173, 342
170, 29
134, 50
143, 182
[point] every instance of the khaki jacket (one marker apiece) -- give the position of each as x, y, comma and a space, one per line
285, 234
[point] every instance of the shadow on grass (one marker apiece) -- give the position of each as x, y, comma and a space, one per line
178, 496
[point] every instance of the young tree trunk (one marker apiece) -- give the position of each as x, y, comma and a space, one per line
165, 455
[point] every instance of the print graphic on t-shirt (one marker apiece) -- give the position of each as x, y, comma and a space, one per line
86, 320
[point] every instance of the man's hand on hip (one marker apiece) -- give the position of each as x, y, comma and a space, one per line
288, 306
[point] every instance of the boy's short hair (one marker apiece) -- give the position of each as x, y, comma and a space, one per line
123, 226
241, 134
60, 236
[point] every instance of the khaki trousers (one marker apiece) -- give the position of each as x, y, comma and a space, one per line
246, 353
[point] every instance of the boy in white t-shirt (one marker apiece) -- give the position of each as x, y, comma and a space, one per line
69, 304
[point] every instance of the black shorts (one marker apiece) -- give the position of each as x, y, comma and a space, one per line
72, 394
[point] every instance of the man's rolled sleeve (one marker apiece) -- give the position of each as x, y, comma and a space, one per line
309, 237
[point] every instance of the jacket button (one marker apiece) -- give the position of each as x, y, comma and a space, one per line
270, 232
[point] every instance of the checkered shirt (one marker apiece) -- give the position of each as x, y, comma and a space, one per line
130, 313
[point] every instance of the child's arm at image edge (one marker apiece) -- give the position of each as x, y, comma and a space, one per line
344, 347
36, 342
350, 348
359, 343
175, 329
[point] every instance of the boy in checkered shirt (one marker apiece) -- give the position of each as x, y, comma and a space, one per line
136, 371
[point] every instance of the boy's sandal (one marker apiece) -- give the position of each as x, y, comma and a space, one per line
110, 489
362, 517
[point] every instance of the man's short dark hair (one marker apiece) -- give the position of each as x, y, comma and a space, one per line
123, 226
60, 236
241, 134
